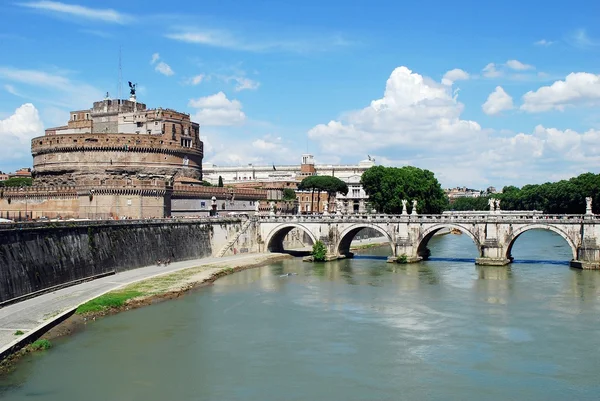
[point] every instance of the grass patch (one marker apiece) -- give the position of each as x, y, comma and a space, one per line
19, 333
41, 344
115, 299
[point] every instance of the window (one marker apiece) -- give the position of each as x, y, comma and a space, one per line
87, 116
203, 205
139, 124
155, 122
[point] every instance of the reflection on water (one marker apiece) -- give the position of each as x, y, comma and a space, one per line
354, 329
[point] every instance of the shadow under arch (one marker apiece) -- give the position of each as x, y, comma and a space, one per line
422, 249
349, 233
558, 231
275, 239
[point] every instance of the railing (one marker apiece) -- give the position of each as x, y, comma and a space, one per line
432, 218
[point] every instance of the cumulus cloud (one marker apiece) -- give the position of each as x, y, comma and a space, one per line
413, 110
164, 69
518, 66
577, 88
197, 79
161, 67
418, 122
490, 71
454, 75
497, 102
16, 132
217, 109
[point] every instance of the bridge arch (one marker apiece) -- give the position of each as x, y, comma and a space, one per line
430, 232
547, 227
346, 237
276, 236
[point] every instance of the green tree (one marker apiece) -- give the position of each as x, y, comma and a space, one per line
206, 183
220, 184
289, 194
466, 204
319, 251
387, 186
323, 183
17, 182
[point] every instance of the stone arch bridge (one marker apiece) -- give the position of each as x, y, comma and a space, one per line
493, 233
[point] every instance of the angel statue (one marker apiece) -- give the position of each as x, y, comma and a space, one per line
404, 202
414, 207
132, 89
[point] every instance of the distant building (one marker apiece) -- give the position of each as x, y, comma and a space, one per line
252, 176
462, 192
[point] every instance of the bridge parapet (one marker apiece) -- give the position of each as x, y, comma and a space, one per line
493, 233
432, 218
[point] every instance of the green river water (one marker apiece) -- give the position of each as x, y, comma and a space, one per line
357, 329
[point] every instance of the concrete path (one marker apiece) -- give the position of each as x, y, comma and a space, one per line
33, 314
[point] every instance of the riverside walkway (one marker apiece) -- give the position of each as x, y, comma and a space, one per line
38, 314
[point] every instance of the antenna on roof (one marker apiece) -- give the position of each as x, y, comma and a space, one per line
120, 78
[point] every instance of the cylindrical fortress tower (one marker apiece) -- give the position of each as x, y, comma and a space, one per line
117, 139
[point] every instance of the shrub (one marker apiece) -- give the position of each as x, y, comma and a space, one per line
40, 344
402, 259
19, 333
319, 251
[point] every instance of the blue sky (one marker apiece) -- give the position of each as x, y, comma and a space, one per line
481, 94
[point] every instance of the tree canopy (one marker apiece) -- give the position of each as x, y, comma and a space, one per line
323, 183
289, 194
17, 182
566, 196
220, 183
387, 186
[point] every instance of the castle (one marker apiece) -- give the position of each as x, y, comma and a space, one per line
120, 159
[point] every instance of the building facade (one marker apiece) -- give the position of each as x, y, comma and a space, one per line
356, 201
116, 139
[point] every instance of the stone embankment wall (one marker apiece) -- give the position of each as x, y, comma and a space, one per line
35, 256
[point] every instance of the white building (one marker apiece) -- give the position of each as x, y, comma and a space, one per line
354, 202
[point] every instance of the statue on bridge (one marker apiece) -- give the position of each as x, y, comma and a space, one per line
588, 205
491, 202
404, 202
326, 209
497, 205
414, 207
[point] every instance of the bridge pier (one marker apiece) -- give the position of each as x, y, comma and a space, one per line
492, 254
588, 256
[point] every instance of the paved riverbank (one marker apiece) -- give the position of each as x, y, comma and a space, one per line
36, 314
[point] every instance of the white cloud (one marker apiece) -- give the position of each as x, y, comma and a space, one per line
16, 133
497, 102
164, 69
53, 88
413, 110
490, 71
518, 66
217, 110
229, 40
195, 80
418, 122
454, 75
577, 88
155, 58
544, 42
243, 83
264, 150
104, 15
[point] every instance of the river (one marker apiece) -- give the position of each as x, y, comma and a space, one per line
356, 329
